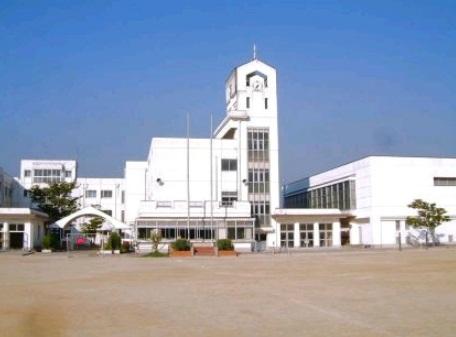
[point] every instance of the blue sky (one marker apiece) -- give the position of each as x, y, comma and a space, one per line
95, 80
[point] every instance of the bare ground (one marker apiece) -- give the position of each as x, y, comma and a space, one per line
343, 293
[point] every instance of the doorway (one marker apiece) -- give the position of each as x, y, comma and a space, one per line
16, 240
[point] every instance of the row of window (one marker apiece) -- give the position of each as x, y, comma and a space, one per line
339, 195
47, 173
444, 181
258, 181
104, 194
306, 235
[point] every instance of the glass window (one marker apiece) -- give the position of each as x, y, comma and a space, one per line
444, 181
266, 103
68, 174
229, 164
106, 194
27, 173
286, 235
306, 235
247, 102
228, 198
90, 193
325, 231
107, 211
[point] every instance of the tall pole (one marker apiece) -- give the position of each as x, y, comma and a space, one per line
212, 197
188, 176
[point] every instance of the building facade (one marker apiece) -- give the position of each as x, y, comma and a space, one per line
375, 193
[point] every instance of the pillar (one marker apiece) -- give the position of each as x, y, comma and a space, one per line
28, 236
316, 234
5, 235
336, 234
296, 236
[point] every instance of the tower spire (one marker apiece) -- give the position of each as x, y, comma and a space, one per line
254, 52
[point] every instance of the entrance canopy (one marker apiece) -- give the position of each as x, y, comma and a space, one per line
283, 215
90, 211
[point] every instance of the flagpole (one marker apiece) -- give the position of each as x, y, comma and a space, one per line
211, 177
188, 176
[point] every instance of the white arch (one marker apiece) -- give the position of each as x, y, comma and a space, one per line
90, 211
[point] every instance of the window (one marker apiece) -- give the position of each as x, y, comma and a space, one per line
26, 193
107, 211
306, 234
258, 181
398, 225
27, 173
123, 197
228, 198
122, 216
258, 145
229, 164
47, 176
266, 103
444, 181
90, 194
286, 235
106, 194
67, 174
325, 234
247, 102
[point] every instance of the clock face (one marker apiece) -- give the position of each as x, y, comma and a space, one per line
257, 85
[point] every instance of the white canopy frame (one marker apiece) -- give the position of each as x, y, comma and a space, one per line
90, 211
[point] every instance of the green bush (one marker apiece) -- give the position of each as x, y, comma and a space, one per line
114, 242
225, 244
50, 240
181, 244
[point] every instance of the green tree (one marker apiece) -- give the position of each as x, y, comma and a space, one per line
429, 217
92, 226
55, 200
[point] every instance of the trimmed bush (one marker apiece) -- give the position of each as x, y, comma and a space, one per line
50, 241
114, 242
224, 244
181, 244
156, 254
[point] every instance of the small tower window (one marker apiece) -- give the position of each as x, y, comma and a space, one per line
247, 102
266, 103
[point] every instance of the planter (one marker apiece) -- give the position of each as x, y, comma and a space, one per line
105, 252
117, 251
180, 253
46, 251
227, 253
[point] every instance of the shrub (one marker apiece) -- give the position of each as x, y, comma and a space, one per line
181, 244
114, 241
225, 244
50, 240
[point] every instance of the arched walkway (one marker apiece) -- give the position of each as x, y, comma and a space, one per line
90, 211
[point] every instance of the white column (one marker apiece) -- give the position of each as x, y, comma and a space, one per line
316, 234
336, 234
5, 235
297, 239
28, 235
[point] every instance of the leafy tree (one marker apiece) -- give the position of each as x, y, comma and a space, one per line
92, 226
429, 217
155, 237
55, 200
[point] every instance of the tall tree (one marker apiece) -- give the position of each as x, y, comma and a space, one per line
429, 217
55, 200
92, 226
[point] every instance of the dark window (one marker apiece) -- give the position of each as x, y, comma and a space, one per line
247, 102
228, 198
229, 164
107, 211
27, 173
106, 194
444, 181
266, 103
68, 174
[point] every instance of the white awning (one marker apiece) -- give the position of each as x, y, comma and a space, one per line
90, 211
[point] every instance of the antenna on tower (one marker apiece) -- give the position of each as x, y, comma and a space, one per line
254, 51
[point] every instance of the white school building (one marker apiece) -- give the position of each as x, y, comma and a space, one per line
228, 186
